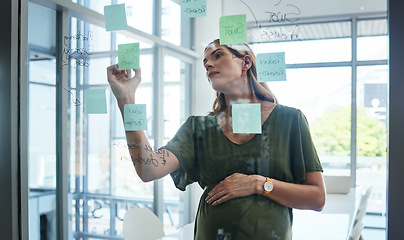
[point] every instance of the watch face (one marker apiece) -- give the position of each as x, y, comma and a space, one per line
268, 186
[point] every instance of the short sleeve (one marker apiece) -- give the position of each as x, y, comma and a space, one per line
183, 147
303, 152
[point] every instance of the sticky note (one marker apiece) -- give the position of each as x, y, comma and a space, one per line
193, 8
95, 101
246, 118
135, 117
233, 29
271, 67
128, 56
115, 17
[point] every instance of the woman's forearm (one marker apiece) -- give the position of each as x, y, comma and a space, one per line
310, 195
149, 164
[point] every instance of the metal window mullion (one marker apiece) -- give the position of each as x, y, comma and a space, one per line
62, 153
85, 143
79, 155
158, 107
354, 37
112, 186
158, 124
79, 147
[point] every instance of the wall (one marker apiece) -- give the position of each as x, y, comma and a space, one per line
395, 208
9, 203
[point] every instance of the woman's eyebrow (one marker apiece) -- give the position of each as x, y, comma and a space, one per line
212, 53
216, 51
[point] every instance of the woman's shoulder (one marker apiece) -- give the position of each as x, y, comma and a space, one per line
292, 111
200, 119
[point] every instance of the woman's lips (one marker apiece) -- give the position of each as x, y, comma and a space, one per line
211, 74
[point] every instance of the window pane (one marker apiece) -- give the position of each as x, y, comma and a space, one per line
41, 26
372, 48
327, 50
98, 160
39, 69
123, 39
372, 134
42, 137
324, 96
372, 27
299, 32
170, 21
41, 122
99, 39
139, 14
42, 149
95, 75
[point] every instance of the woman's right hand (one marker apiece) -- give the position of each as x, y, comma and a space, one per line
122, 86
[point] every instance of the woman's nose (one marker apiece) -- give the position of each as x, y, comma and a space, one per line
208, 65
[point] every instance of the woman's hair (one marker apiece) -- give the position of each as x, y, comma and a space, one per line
258, 90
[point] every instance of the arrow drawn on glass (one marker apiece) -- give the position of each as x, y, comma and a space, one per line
76, 102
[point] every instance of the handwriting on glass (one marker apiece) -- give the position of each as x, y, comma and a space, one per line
280, 17
76, 102
80, 54
280, 33
291, 14
155, 158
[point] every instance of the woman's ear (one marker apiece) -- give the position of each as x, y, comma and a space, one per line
247, 62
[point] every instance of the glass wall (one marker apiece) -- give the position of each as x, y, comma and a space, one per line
102, 181
338, 80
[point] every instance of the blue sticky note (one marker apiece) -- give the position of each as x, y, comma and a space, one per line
193, 8
135, 117
246, 118
233, 29
128, 56
115, 17
271, 67
95, 101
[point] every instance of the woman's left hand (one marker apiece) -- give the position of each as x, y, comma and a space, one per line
234, 186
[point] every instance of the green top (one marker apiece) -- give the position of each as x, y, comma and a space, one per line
284, 151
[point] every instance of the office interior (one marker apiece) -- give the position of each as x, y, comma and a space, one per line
66, 174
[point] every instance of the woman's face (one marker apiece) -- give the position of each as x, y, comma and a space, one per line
223, 68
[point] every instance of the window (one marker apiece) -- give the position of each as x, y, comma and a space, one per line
321, 90
103, 183
320, 78
42, 123
372, 134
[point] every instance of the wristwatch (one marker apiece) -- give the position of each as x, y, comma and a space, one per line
268, 186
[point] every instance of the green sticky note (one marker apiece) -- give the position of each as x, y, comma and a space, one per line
193, 8
271, 67
95, 101
135, 117
246, 118
128, 56
115, 17
233, 29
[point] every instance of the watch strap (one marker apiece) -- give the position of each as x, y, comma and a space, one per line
266, 193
